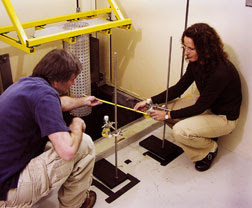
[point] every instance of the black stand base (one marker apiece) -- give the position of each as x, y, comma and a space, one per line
104, 171
155, 150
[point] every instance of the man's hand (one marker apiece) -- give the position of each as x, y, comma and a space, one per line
67, 144
91, 101
69, 103
77, 124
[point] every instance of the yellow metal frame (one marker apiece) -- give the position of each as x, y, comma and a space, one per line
28, 44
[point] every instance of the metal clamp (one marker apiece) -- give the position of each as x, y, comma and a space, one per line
106, 129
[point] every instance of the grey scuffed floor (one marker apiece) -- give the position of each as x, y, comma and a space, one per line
228, 183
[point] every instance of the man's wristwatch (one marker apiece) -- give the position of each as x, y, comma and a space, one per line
166, 115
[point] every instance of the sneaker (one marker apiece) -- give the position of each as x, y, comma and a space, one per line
90, 200
205, 164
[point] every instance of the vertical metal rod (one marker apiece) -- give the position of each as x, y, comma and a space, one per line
115, 96
110, 51
187, 12
110, 57
77, 6
96, 9
168, 79
183, 53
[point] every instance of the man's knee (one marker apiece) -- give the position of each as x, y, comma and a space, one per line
87, 145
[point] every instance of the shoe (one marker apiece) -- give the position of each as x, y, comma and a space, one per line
205, 164
215, 139
90, 200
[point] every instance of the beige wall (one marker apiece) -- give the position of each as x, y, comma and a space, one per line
143, 51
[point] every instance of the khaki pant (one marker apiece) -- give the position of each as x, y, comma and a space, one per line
194, 134
48, 172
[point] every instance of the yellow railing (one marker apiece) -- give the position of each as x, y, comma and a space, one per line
28, 44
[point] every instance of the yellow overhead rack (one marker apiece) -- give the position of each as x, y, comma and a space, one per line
28, 44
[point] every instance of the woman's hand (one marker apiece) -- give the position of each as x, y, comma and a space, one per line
157, 115
141, 106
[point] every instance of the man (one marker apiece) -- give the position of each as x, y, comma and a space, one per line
197, 122
30, 116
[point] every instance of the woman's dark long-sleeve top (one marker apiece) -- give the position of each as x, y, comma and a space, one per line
220, 91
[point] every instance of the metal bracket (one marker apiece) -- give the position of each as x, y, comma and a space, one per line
27, 44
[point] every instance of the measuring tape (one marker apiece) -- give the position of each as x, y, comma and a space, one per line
121, 106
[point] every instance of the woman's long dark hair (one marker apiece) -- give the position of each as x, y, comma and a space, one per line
57, 65
208, 45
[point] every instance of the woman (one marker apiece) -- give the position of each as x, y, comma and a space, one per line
197, 122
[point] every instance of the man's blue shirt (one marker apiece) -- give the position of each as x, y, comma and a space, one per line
30, 110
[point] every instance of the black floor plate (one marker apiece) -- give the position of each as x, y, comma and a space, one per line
163, 155
104, 171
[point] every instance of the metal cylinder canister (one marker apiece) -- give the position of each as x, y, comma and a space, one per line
81, 49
